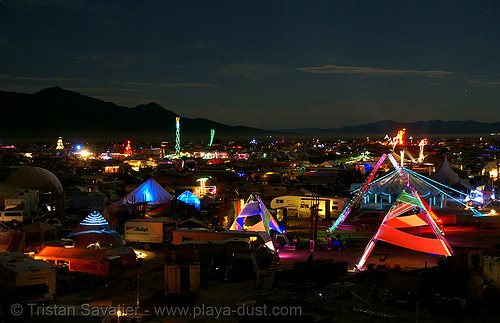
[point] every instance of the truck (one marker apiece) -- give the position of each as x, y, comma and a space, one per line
149, 232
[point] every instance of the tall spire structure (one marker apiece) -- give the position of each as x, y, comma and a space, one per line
128, 149
212, 135
60, 144
177, 136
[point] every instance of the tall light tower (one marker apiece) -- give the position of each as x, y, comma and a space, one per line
421, 156
60, 144
177, 136
212, 135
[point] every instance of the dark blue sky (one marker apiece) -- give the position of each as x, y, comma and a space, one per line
267, 64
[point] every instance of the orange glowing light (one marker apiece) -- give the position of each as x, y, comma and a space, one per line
400, 136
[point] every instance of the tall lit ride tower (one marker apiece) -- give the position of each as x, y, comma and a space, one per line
128, 149
60, 144
177, 136
212, 135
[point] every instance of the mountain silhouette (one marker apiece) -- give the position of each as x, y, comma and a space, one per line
55, 111
58, 112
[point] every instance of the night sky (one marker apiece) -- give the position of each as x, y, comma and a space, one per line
267, 64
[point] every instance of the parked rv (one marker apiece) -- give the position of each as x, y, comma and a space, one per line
300, 205
14, 218
25, 279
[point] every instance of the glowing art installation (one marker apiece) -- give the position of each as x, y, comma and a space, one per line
421, 144
264, 222
398, 140
358, 196
177, 136
212, 136
128, 149
60, 144
403, 215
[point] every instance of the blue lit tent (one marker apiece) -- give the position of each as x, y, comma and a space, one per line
94, 228
189, 198
150, 192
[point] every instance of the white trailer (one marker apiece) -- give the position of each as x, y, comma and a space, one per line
27, 279
300, 205
149, 231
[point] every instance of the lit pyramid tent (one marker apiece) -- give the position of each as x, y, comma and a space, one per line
255, 217
447, 176
149, 192
189, 198
402, 215
94, 228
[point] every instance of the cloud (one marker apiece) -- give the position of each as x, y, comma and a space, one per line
101, 89
369, 71
166, 85
250, 71
22, 88
42, 79
487, 80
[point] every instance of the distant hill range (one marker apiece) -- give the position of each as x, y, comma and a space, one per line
58, 112
434, 127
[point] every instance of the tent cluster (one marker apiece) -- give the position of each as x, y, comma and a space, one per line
157, 201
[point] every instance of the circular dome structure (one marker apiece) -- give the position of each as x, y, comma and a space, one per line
491, 169
35, 178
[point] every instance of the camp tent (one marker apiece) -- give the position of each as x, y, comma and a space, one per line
149, 192
191, 223
94, 229
189, 198
255, 217
11, 240
447, 176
